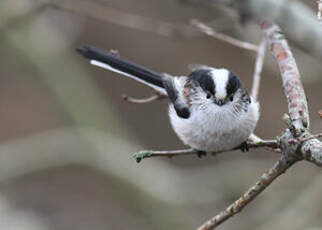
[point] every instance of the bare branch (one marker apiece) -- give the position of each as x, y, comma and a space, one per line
152, 98
271, 144
169, 153
265, 180
293, 88
300, 140
258, 69
298, 121
223, 37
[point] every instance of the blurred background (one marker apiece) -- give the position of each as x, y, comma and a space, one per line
67, 137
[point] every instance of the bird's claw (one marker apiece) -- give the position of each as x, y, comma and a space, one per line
201, 154
244, 147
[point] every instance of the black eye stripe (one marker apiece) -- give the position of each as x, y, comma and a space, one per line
204, 79
233, 84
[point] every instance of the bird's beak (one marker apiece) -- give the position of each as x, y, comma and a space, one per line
220, 102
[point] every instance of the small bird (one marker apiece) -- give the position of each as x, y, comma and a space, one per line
210, 110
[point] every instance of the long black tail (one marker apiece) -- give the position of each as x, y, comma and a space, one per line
113, 62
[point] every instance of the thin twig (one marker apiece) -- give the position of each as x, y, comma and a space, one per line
168, 153
271, 144
223, 37
265, 180
258, 68
143, 100
300, 140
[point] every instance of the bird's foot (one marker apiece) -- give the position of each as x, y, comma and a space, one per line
244, 147
201, 154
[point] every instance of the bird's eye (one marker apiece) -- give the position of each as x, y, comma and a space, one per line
231, 97
208, 95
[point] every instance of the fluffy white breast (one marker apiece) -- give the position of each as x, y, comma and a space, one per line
213, 128
220, 77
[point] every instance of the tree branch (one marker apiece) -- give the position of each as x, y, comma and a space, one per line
271, 144
299, 140
265, 180
258, 69
223, 37
311, 149
293, 88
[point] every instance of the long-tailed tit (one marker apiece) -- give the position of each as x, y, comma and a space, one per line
210, 110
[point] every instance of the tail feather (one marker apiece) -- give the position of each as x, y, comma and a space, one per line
115, 63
